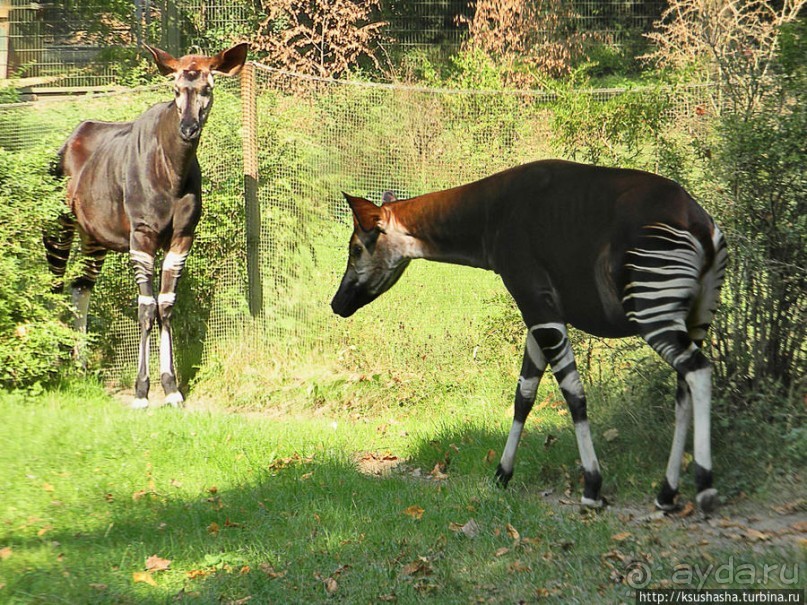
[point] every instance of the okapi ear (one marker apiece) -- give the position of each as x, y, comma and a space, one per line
229, 62
366, 214
164, 61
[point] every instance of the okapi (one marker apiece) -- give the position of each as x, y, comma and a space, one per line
136, 187
610, 251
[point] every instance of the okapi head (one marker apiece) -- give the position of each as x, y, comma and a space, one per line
377, 255
193, 83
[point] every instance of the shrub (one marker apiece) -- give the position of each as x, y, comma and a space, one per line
34, 342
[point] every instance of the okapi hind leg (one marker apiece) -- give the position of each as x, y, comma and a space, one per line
554, 342
666, 498
93, 256
57, 249
532, 369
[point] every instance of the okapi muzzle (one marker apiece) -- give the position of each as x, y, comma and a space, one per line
612, 252
375, 260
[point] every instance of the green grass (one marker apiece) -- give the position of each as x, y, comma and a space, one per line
275, 506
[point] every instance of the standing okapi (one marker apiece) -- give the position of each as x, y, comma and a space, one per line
609, 251
136, 187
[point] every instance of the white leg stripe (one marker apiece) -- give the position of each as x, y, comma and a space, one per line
167, 298
528, 387
700, 385
166, 361
587, 456
509, 454
146, 300
174, 262
81, 302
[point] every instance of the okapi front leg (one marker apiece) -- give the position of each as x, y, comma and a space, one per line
143, 263
171, 272
554, 342
532, 368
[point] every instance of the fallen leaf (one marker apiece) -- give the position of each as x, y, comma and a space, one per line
270, 571
621, 536
44, 530
756, 535
155, 563
241, 601
438, 472
686, 460
387, 598
518, 566
213, 489
490, 456
687, 510
99, 587
421, 566
331, 586
144, 577
414, 511
139, 494
502, 551
512, 532
5, 553
470, 529
193, 574
610, 435
213, 528
47, 487
800, 526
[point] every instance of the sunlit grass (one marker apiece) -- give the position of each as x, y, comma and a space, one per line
319, 503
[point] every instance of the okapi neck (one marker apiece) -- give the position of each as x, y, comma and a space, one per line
177, 151
452, 226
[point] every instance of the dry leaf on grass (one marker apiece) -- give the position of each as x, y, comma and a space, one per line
414, 511
512, 532
144, 577
213, 528
502, 551
331, 586
621, 536
5, 553
155, 563
490, 457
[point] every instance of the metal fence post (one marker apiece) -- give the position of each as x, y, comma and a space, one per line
249, 112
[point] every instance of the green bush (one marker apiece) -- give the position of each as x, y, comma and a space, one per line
35, 343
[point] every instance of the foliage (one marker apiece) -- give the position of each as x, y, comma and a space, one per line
733, 41
618, 130
525, 36
324, 38
34, 343
761, 160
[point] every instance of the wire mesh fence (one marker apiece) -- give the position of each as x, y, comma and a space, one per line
276, 155
93, 42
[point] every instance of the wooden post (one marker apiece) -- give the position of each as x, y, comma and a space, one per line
249, 112
5, 46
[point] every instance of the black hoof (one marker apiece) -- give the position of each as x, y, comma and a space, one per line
707, 500
666, 499
503, 478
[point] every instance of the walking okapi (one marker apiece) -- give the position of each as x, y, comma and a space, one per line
136, 187
612, 252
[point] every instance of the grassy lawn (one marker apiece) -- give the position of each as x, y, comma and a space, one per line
319, 504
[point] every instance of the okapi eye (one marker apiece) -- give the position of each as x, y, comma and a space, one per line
206, 91
176, 92
356, 251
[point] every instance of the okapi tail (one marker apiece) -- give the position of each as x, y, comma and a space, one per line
56, 167
709, 296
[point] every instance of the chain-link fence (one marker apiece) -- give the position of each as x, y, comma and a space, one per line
276, 155
70, 43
